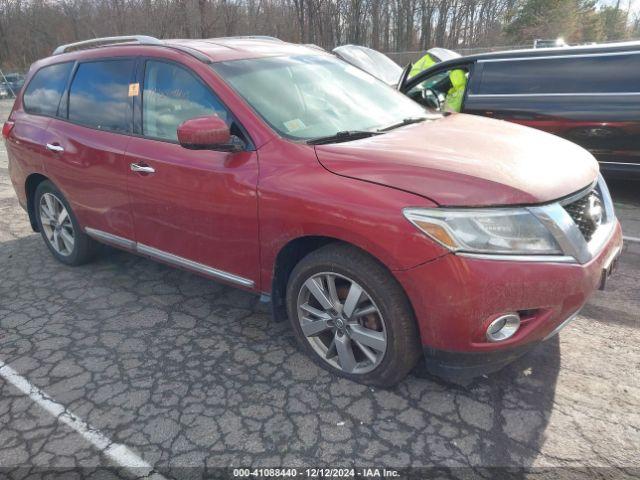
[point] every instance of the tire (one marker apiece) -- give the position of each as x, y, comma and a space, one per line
388, 331
47, 200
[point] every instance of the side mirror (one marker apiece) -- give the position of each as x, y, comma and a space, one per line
208, 133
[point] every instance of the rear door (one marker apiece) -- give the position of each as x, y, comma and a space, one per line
591, 99
28, 142
88, 145
197, 209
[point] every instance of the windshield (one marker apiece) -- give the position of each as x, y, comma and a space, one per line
371, 61
311, 96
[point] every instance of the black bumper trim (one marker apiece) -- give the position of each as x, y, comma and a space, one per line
464, 366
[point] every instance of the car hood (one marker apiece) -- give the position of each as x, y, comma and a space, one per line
371, 61
442, 54
464, 160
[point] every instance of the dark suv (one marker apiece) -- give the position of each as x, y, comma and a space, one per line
589, 95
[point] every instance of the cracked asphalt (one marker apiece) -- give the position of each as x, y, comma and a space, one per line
191, 375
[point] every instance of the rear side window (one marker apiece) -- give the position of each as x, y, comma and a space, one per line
594, 74
172, 95
43, 93
99, 95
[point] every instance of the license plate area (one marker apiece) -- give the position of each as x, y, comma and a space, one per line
608, 268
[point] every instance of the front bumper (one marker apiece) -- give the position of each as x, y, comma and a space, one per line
463, 366
455, 298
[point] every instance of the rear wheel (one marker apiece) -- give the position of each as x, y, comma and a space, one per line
352, 317
59, 228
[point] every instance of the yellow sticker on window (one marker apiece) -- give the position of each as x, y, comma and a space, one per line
294, 125
134, 89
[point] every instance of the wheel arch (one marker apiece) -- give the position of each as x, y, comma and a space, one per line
286, 259
290, 255
31, 184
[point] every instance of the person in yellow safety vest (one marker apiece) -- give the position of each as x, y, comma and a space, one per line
453, 103
422, 64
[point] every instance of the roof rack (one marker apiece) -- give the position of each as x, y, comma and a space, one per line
99, 42
248, 37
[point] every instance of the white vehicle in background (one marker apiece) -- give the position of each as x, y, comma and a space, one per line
542, 43
381, 66
371, 61
4, 92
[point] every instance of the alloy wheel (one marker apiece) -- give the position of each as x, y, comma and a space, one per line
342, 323
56, 224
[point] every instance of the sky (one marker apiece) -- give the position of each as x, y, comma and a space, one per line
635, 4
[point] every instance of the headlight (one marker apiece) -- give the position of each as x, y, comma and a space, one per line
498, 231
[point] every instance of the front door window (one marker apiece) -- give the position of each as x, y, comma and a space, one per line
172, 95
443, 90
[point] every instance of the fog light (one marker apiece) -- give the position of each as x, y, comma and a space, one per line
503, 327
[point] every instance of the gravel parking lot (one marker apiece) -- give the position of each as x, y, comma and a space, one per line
182, 374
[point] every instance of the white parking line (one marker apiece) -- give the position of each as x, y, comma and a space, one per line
631, 239
119, 454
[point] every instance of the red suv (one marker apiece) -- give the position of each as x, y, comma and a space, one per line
381, 230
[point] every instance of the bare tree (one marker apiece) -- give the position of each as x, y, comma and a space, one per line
30, 29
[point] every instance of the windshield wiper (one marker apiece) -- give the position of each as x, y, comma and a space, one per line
343, 136
406, 121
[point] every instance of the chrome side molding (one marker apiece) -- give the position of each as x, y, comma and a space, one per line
110, 238
168, 257
191, 265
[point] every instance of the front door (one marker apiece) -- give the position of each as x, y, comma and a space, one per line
195, 209
440, 88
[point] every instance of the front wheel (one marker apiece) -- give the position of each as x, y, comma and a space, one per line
352, 317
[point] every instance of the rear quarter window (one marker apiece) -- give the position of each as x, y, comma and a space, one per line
42, 95
99, 95
589, 74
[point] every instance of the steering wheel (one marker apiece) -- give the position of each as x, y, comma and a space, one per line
430, 99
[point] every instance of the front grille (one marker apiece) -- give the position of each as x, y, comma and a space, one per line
587, 212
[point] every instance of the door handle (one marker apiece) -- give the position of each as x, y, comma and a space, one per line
55, 148
142, 168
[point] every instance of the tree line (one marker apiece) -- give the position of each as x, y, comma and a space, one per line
30, 29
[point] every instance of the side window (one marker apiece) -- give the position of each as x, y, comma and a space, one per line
437, 82
171, 95
43, 93
591, 74
99, 95
443, 90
